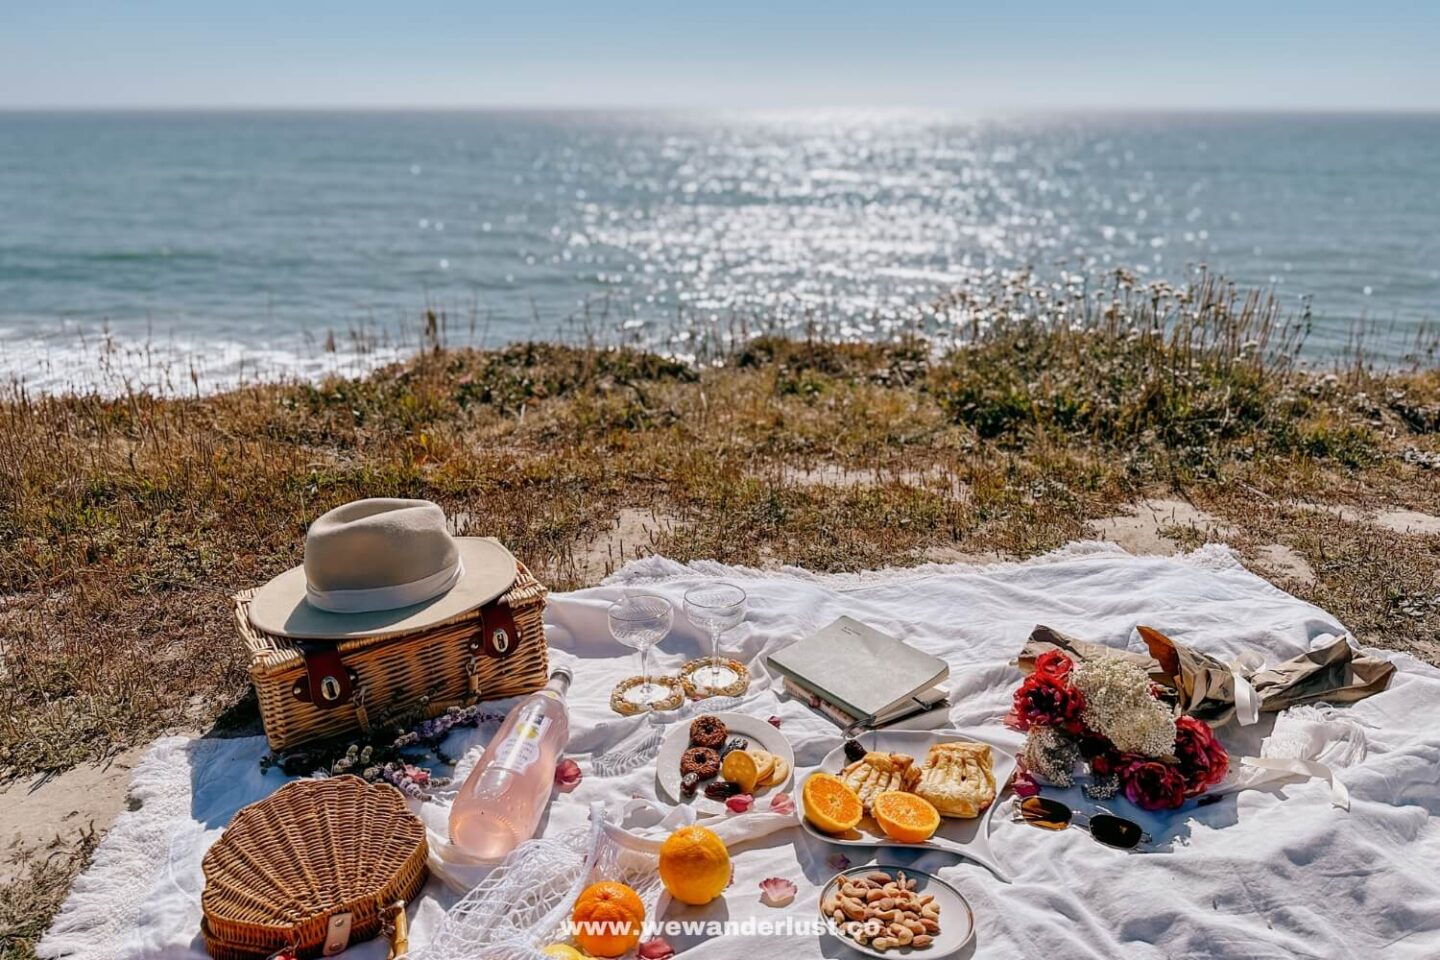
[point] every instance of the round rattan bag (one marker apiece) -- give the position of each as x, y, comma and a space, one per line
314, 867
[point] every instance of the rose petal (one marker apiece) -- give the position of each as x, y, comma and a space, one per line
567, 775
657, 949
777, 891
739, 803
838, 862
781, 803
774, 722
1024, 785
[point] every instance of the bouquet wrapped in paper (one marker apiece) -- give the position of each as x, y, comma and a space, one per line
1142, 723
1214, 691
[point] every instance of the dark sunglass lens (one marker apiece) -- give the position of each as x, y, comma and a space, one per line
1115, 831
1050, 814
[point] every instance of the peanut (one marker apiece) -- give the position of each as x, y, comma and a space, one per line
923, 940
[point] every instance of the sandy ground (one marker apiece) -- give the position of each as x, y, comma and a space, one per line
45, 813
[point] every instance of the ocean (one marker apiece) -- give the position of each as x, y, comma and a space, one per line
192, 250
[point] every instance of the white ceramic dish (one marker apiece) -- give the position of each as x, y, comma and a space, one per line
968, 838
957, 920
760, 734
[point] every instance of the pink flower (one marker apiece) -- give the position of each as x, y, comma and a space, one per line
1152, 785
418, 775
777, 891
1203, 761
774, 722
781, 803
838, 862
1024, 785
656, 949
567, 775
739, 803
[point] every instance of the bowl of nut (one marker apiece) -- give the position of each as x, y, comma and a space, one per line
883, 911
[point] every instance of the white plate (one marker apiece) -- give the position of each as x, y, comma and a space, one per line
957, 920
761, 735
968, 838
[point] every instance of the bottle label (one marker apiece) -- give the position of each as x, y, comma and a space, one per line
522, 747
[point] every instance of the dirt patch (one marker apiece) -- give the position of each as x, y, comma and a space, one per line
634, 535
955, 555
835, 475
1408, 521
1281, 561
57, 811
1411, 522
1144, 529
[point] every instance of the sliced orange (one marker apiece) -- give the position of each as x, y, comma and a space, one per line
739, 767
904, 816
829, 804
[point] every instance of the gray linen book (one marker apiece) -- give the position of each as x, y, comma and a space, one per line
858, 668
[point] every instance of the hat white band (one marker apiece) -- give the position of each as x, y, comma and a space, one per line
385, 598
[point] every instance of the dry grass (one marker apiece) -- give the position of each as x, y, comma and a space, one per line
42, 879
126, 523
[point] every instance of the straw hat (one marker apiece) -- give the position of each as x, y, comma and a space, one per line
379, 567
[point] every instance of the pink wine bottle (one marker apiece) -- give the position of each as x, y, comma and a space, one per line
501, 803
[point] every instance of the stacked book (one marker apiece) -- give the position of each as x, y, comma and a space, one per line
863, 679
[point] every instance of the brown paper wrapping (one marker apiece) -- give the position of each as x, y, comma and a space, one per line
1204, 687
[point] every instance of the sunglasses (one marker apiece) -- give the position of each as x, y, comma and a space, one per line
1053, 815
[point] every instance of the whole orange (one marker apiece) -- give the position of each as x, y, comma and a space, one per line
694, 865
607, 919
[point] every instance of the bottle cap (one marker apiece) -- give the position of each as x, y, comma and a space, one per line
560, 678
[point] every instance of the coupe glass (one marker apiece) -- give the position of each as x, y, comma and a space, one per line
640, 622
715, 608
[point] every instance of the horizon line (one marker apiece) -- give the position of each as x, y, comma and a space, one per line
712, 108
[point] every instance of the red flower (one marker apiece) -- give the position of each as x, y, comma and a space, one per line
1053, 663
1152, 785
1048, 701
1203, 761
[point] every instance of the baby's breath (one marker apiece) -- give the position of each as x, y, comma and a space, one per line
1119, 707
1050, 755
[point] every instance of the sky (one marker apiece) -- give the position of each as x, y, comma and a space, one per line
969, 57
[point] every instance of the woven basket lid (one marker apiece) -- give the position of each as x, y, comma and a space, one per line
312, 850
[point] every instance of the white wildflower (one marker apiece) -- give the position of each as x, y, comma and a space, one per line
1119, 707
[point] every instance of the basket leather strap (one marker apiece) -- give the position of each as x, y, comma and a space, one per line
497, 637
328, 683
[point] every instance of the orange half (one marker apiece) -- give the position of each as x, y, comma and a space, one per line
904, 816
829, 804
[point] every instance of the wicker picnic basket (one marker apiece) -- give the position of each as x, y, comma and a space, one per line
313, 691
314, 867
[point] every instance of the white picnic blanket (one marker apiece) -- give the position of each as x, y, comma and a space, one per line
1274, 872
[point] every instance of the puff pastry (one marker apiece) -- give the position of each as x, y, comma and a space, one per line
957, 779
875, 773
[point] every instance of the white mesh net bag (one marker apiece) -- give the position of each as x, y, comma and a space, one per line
525, 902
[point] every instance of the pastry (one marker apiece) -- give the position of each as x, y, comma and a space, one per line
708, 731
875, 773
689, 784
701, 761
956, 778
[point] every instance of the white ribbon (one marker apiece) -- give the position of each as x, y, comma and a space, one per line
1247, 701
385, 598
1339, 795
